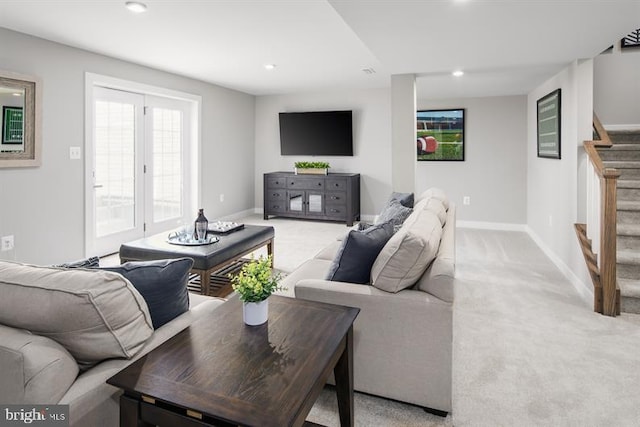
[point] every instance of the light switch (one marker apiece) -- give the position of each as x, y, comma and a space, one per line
74, 153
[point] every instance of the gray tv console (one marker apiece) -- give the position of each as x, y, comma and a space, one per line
332, 197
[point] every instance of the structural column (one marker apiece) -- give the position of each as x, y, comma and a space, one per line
403, 132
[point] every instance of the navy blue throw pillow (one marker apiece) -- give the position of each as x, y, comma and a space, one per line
357, 254
162, 284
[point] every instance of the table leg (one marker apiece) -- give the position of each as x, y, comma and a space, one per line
270, 251
343, 373
130, 412
205, 281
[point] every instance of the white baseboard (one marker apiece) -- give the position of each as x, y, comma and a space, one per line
584, 290
484, 225
241, 214
622, 127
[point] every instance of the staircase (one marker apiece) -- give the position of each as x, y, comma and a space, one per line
624, 155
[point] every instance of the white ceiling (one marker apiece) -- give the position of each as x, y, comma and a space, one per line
505, 47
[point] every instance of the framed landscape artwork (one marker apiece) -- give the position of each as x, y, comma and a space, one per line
549, 125
440, 135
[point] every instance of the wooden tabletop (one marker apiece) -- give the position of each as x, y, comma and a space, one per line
267, 375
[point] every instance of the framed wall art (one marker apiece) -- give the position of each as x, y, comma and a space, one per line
549, 107
12, 125
440, 135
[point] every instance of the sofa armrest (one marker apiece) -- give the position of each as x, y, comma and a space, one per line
403, 341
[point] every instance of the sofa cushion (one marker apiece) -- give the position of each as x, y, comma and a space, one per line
329, 252
95, 315
408, 253
435, 193
395, 213
35, 369
357, 253
439, 278
437, 207
162, 284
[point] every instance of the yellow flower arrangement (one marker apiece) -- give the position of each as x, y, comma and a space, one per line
255, 281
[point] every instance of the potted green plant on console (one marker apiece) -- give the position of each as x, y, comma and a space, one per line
255, 283
313, 168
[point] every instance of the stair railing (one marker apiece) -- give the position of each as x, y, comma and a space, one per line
600, 230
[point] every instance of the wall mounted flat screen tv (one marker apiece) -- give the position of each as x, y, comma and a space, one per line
317, 133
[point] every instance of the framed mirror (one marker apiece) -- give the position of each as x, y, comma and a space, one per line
20, 102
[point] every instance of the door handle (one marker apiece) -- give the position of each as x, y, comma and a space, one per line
98, 185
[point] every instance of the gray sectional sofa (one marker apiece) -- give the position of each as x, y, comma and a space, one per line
85, 327
403, 335
64, 332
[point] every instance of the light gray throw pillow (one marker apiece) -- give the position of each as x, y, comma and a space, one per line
408, 253
95, 315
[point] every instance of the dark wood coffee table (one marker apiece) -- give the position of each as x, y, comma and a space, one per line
237, 375
207, 259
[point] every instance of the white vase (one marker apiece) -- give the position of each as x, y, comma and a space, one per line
255, 313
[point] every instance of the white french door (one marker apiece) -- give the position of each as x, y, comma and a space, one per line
167, 163
138, 154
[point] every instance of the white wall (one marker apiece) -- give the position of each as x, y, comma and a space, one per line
493, 173
9, 100
552, 185
44, 207
616, 95
371, 139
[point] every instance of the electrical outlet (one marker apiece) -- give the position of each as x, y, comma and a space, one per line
7, 243
221, 197
74, 153
550, 220
466, 200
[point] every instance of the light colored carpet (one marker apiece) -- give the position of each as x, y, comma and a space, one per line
527, 350
297, 240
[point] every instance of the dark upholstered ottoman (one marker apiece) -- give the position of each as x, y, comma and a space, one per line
207, 258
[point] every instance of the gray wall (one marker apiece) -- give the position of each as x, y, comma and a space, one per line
493, 173
616, 94
44, 207
371, 133
553, 195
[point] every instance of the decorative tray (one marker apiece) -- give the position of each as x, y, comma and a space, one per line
224, 227
176, 239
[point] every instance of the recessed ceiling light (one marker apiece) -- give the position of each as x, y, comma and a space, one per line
136, 7
269, 66
458, 73
16, 94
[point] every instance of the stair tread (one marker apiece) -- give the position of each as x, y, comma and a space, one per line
628, 183
621, 164
628, 256
621, 147
628, 229
628, 205
629, 288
